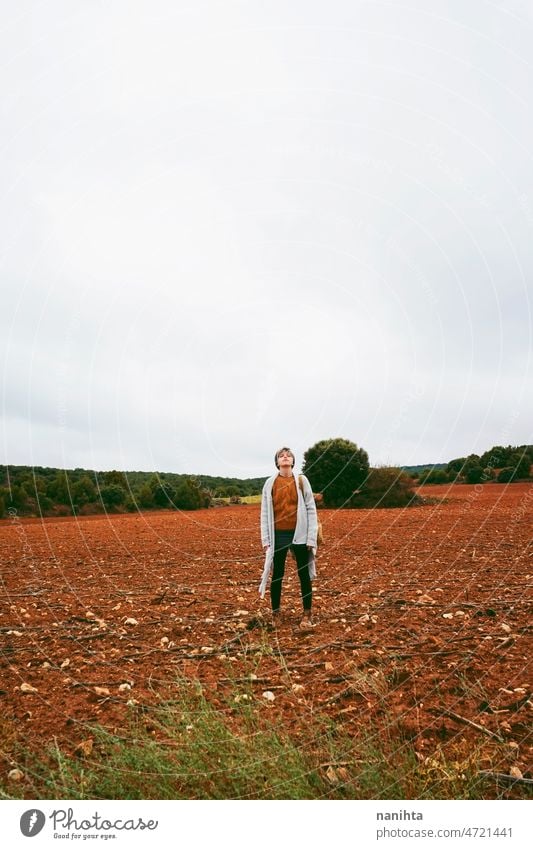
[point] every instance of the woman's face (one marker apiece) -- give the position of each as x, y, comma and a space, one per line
285, 458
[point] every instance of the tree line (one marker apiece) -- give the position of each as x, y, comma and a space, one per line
502, 464
44, 491
337, 468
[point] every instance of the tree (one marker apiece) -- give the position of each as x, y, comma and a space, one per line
58, 488
474, 474
19, 497
188, 496
118, 478
496, 457
455, 467
164, 494
520, 463
112, 495
518, 468
145, 496
84, 491
336, 468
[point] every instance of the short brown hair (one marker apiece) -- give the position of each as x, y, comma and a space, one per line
278, 452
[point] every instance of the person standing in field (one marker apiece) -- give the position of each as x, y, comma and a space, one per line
288, 521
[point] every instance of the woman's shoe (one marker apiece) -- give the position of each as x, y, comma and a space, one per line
307, 623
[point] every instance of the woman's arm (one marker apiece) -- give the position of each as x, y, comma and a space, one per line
265, 535
312, 518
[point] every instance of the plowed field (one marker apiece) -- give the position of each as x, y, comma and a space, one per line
423, 621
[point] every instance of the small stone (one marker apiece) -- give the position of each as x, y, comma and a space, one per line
15, 775
84, 749
269, 695
331, 775
27, 688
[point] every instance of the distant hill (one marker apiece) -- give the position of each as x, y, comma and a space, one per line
423, 467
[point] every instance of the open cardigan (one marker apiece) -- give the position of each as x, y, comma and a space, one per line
304, 533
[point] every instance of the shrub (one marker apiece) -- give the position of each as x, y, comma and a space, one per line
436, 476
506, 475
385, 486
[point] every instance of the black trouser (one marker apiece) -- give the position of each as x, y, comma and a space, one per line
283, 541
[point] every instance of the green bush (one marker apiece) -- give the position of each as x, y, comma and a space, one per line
506, 475
436, 476
385, 486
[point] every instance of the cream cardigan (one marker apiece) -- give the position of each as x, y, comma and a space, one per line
304, 533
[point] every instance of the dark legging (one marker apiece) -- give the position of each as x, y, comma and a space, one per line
283, 541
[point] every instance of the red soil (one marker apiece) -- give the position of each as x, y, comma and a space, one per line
421, 613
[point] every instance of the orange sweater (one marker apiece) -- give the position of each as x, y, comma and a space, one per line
285, 502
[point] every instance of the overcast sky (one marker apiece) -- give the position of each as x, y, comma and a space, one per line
230, 226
